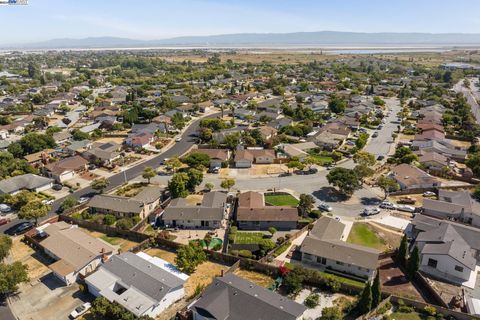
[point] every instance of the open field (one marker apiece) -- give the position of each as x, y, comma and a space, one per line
281, 200
363, 234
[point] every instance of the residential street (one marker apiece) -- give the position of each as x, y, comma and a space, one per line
116, 180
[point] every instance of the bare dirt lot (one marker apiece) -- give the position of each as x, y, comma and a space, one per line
394, 281
36, 262
255, 277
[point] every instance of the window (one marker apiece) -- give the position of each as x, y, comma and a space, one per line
339, 263
321, 260
458, 268
432, 263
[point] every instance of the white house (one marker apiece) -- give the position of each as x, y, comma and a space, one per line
142, 284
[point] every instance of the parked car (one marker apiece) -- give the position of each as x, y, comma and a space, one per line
429, 194
325, 207
406, 200
214, 170
83, 200
48, 202
5, 208
406, 208
4, 221
375, 134
178, 139
330, 166
285, 174
92, 167
20, 228
380, 158
312, 170
164, 173
80, 310
388, 205
370, 211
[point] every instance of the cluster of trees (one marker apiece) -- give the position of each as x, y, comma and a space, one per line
370, 296
31, 143
11, 275
189, 257
182, 182
197, 160
11, 166
27, 203
337, 104
214, 124
404, 155
297, 130
346, 180
102, 309
410, 261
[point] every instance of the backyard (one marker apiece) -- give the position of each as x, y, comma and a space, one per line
363, 234
250, 238
121, 243
281, 200
260, 279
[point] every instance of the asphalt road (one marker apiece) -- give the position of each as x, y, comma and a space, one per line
118, 179
471, 95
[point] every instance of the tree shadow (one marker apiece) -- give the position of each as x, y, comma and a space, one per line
370, 201
51, 281
329, 194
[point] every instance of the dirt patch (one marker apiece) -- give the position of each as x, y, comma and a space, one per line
264, 169
392, 240
37, 263
162, 254
203, 276
123, 244
394, 281
88, 176
258, 278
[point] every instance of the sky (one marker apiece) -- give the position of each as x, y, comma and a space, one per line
159, 19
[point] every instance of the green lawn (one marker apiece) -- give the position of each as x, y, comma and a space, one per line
281, 200
362, 234
249, 238
322, 159
112, 240
406, 316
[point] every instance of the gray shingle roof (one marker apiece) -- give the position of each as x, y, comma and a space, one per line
25, 181
116, 203
233, 298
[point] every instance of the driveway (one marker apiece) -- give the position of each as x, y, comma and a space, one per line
47, 299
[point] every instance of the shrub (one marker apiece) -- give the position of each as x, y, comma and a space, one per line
315, 214
332, 284
97, 218
234, 253
430, 310
312, 301
288, 236
245, 254
387, 306
280, 240
217, 247
109, 219
125, 224
233, 230
405, 309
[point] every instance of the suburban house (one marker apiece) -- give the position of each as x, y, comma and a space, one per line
246, 157
457, 205
140, 140
434, 161
62, 137
38, 158
411, 177
78, 147
65, 169
253, 214
104, 153
29, 181
142, 284
217, 156
448, 250
299, 150
209, 214
325, 248
76, 253
267, 132
140, 205
233, 298
443, 147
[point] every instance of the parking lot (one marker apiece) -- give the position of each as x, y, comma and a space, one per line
47, 298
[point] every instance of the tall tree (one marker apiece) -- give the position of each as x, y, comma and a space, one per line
11, 275
388, 185
148, 173
173, 163
305, 204
363, 171
364, 303
402, 250
413, 263
195, 178
376, 290
344, 179
189, 257
5, 246
364, 158
100, 184
178, 185
33, 210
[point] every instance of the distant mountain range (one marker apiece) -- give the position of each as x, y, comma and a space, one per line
314, 39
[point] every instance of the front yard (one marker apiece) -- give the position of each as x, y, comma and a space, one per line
363, 234
281, 200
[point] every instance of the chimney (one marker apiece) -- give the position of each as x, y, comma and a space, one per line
221, 273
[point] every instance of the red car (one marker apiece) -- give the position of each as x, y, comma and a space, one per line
4, 221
